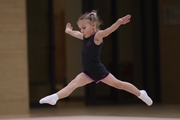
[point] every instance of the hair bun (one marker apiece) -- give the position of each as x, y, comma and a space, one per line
93, 13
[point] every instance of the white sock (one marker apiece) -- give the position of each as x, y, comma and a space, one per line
144, 97
50, 99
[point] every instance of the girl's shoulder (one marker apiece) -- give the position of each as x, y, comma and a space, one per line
97, 38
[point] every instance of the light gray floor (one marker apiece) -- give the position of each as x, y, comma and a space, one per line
96, 118
69, 111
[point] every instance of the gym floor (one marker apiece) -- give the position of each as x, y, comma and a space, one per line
78, 111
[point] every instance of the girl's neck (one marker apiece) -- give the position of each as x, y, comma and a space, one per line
95, 32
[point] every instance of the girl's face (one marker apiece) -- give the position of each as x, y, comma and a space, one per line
86, 27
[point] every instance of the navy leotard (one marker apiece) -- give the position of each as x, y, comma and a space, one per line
91, 60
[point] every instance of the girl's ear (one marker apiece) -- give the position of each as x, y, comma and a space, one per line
94, 25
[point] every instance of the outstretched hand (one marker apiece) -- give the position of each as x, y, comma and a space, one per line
68, 27
125, 19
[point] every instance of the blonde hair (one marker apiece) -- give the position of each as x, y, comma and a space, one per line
92, 17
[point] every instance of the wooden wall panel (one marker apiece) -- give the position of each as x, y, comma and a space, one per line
14, 96
169, 51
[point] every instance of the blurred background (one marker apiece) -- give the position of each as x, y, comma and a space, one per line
37, 58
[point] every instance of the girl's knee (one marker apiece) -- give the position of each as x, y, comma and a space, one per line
119, 85
73, 84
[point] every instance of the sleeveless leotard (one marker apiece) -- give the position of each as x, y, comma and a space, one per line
91, 63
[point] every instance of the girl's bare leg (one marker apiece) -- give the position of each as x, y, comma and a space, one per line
112, 81
79, 81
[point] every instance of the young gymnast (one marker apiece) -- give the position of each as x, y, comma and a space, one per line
94, 70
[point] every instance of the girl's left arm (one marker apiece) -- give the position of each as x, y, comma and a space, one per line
121, 21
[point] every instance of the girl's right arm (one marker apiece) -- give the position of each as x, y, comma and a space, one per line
121, 21
73, 33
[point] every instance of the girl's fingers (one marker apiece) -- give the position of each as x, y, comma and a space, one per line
68, 25
128, 16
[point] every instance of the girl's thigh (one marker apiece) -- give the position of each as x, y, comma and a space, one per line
82, 79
